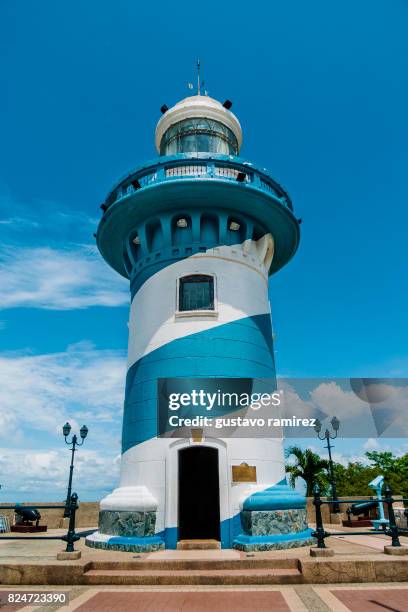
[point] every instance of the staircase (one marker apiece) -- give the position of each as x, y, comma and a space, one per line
192, 572
198, 545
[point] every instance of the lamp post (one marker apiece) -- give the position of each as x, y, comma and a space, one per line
335, 423
83, 432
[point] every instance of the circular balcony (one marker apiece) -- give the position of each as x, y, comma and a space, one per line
199, 181
202, 166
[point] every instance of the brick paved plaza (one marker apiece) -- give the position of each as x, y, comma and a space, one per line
367, 580
299, 598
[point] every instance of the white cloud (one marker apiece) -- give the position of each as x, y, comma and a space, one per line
42, 476
353, 451
331, 398
37, 395
41, 392
57, 279
381, 414
372, 444
20, 221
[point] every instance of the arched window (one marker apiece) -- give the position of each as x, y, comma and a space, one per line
196, 292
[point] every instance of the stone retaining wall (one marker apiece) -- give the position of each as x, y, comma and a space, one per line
86, 516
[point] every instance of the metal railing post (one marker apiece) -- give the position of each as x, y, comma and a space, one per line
393, 530
71, 536
320, 533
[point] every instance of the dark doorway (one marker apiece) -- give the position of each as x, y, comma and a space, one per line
199, 493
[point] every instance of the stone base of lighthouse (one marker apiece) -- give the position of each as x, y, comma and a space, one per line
260, 530
203, 502
127, 522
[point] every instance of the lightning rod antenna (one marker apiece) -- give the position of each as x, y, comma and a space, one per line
198, 78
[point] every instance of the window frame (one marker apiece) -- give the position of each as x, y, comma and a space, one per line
212, 312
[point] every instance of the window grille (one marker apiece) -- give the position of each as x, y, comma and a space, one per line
196, 292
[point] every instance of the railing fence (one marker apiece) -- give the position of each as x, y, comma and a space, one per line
70, 537
393, 531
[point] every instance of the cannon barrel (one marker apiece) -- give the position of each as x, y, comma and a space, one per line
362, 507
28, 514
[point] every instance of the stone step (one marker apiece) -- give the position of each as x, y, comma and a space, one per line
179, 577
198, 545
195, 564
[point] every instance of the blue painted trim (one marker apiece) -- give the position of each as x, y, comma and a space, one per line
158, 538
277, 497
229, 529
225, 533
171, 537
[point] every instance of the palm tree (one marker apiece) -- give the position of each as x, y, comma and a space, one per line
309, 466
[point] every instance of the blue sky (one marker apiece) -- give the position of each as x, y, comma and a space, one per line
321, 91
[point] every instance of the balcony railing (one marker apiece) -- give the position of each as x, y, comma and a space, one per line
208, 169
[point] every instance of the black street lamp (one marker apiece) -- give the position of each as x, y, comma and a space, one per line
83, 432
335, 423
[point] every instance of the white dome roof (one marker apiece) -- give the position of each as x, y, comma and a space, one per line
196, 107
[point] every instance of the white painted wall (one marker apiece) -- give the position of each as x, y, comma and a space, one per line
241, 273
149, 471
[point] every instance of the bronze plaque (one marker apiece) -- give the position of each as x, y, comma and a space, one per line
244, 473
197, 435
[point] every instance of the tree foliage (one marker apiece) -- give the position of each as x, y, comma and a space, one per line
309, 466
394, 470
351, 479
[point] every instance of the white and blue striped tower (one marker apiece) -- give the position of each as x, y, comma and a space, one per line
197, 231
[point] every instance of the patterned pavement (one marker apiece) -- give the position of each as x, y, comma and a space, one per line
301, 598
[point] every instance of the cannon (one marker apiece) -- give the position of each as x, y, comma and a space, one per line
361, 508
362, 511
27, 516
27, 520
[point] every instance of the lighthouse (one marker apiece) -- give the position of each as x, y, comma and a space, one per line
198, 232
